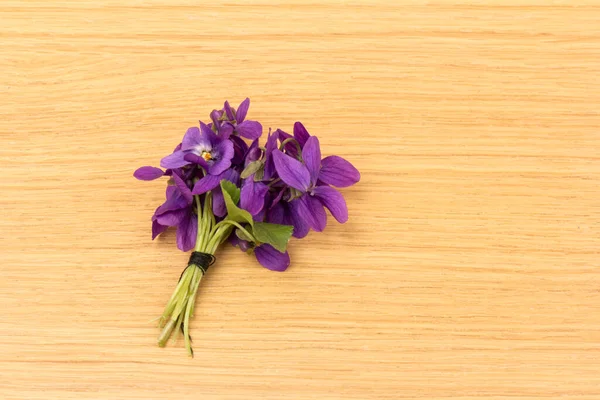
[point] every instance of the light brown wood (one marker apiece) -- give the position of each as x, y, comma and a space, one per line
469, 268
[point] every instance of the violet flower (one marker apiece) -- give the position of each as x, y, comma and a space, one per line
266, 255
177, 210
312, 178
285, 212
203, 147
228, 121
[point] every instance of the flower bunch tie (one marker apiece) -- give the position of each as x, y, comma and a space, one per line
201, 260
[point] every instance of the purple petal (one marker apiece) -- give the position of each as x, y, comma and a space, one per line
175, 160
260, 216
237, 242
338, 172
240, 149
225, 130
223, 154
172, 218
215, 115
300, 133
311, 154
183, 188
253, 153
269, 148
278, 197
195, 159
174, 201
252, 195
187, 232
191, 139
232, 176
229, 111
295, 219
218, 202
334, 201
148, 173
209, 138
291, 171
242, 110
157, 229
206, 183
311, 210
276, 214
250, 129
272, 259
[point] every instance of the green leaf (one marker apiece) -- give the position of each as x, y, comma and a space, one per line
234, 191
274, 234
251, 168
234, 213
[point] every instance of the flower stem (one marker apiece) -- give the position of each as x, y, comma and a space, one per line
292, 140
180, 307
237, 225
200, 235
166, 333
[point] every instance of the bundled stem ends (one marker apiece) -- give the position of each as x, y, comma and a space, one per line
180, 307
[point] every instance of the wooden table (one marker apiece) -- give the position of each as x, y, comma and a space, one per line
469, 268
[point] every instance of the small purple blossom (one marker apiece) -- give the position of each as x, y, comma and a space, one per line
204, 148
228, 121
306, 177
177, 211
266, 255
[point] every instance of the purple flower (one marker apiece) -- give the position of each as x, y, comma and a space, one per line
268, 256
228, 121
177, 210
307, 177
203, 147
288, 213
210, 182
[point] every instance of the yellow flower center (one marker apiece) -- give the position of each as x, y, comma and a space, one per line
206, 155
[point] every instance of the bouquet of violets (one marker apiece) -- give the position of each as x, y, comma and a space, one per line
221, 189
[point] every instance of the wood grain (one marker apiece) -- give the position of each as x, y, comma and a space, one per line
469, 268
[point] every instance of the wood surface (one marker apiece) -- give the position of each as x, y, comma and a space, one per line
470, 266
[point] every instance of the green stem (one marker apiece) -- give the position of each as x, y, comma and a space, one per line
274, 181
175, 305
217, 238
181, 305
289, 140
199, 236
188, 310
237, 225
208, 218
